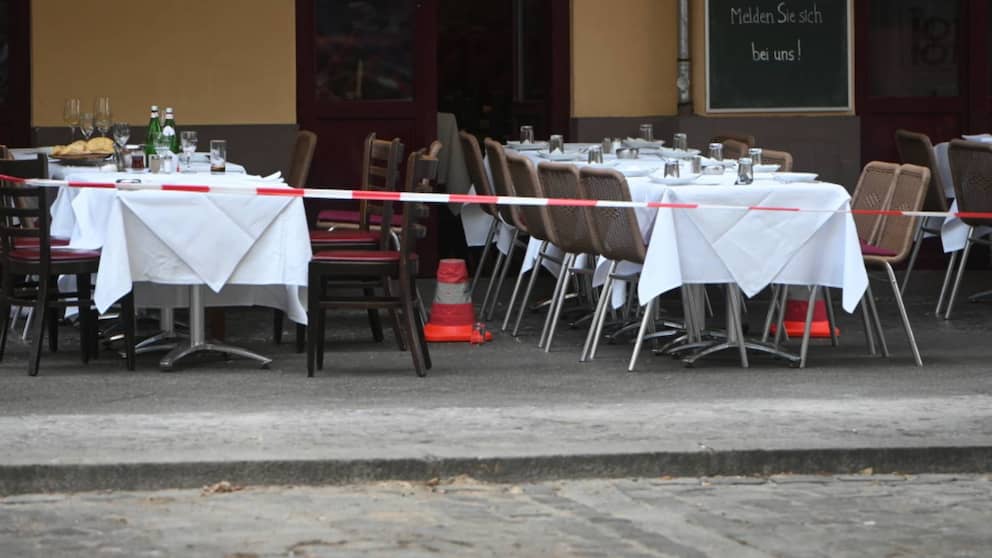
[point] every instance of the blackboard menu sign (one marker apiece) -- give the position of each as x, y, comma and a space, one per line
778, 55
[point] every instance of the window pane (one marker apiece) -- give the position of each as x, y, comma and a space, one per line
364, 49
914, 48
4, 51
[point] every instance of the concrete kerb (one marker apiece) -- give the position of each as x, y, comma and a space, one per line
44, 478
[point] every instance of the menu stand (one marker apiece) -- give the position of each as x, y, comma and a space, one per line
197, 337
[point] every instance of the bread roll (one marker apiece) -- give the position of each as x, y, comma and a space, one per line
100, 145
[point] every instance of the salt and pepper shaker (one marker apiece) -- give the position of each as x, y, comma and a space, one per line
671, 168
595, 154
680, 142
745, 171
716, 151
755, 154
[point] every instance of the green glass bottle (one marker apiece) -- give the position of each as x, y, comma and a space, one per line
154, 131
170, 131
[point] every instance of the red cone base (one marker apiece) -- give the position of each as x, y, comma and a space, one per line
795, 320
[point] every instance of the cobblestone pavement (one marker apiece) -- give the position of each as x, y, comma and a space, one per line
864, 515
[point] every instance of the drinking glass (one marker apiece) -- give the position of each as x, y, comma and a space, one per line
70, 115
526, 134
716, 151
745, 172
680, 141
86, 124
672, 168
122, 133
102, 115
218, 155
188, 140
755, 154
556, 143
596, 155
647, 132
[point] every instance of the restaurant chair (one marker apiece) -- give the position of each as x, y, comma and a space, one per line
503, 186
893, 242
573, 232
27, 250
916, 149
781, 158
477, 173
399, 265
746, 139
971, 167
618, 238
734, 149
528, 185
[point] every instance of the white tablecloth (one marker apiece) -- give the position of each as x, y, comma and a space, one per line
58, 171
248, 250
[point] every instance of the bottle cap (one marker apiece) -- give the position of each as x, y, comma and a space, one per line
168, 110
154, 108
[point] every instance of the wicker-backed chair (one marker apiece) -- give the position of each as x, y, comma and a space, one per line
781, 158
538, 218
872, 193
573, 233
916, 149
971, 167
502, 186
894, 240
398, 265
477, 173
618, 237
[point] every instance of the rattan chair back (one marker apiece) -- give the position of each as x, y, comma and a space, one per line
614, 229
971, 169
872, 193
916, 149
570, 224
528, 185
503, 184
909, 192
477, 169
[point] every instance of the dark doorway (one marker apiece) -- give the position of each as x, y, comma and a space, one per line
15, 72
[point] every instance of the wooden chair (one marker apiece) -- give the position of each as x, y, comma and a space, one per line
380, 171
387, 265
28, 250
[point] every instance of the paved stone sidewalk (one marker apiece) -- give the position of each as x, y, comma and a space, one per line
740, 517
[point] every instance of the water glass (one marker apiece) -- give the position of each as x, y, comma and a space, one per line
716, 151
122, 133
86, 124
745, 171
218, 155
188, 140
595, 155
755, 154
102, 115
70, 115
696, 163
680, 141
671, 168
647, 132
556, 143
526, 134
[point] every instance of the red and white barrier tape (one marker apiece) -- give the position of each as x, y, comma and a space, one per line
416, 197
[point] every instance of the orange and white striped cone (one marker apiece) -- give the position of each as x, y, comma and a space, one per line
795, 315
452, 314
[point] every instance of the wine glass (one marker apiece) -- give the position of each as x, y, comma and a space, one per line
122, 133
86, 124
101, 112
70, 115
188, 140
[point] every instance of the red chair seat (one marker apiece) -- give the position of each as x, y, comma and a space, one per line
346, 216
370, 256
33, 255
29, 242
344, 237
872, 250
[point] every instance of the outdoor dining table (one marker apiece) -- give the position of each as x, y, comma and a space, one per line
247, 250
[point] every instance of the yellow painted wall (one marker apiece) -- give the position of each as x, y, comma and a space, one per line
624, 58
215, 61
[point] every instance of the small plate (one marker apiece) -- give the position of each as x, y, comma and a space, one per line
636, 170
560, 156
643, 144
674, 181
766, 168
790, 177
535, 146
670, 153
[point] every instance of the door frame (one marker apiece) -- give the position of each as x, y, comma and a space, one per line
15, 115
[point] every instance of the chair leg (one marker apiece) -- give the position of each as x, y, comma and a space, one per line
321, 333
869, 336
770, 315
87, 323
878, 323
313, 307
38, 326
811, 306
534, 272
502, 277
410, 322
375, 322
957, 280
127, 317
555, 310
917, 242
5, 309
301, 338
597, 317
947, 281
513, 300
420, 337
902, 313
648, 317
500, 258
828, 301
493, 229
277, 326
394, 318
52, 320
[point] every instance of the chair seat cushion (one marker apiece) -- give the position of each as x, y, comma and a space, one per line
28, 242
344, 237
347, 216
33, 255
370, 256
872, 250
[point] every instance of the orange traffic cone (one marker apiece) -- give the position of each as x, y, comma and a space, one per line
452, 315
795, 315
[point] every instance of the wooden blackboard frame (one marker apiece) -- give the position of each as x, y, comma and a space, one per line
838, 109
